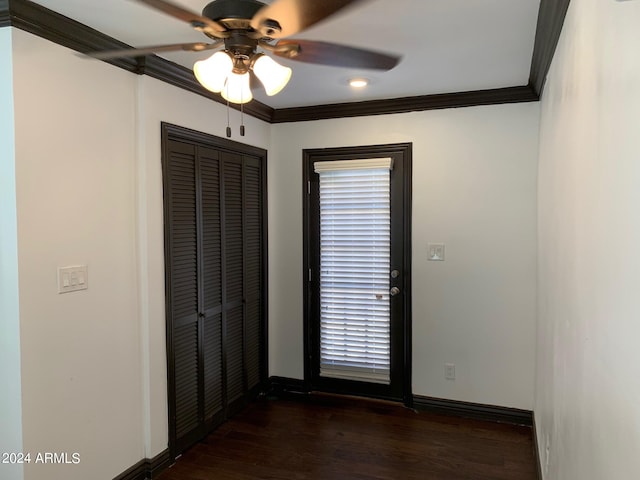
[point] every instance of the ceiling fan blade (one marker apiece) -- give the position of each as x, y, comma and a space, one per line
286, 17
140, 52
197, 21
332, 54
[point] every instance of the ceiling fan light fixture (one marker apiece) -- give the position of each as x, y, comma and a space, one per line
212, 72
274, 77
237, 88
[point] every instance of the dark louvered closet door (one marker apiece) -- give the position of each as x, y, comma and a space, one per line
233, 275
183, 266
214, 221
211, 291
252, 235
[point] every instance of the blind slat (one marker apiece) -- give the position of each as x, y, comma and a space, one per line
354, 272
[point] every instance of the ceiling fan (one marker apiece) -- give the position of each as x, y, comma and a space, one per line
239, 29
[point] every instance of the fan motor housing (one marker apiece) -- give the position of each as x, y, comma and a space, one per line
233, 13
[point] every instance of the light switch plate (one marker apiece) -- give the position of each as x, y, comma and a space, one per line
435, 252
72, 278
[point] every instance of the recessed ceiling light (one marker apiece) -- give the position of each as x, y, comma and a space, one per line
358, 82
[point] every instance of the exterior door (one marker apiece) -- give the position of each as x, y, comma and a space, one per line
357, 252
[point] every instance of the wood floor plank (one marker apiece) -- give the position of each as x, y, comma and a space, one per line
327, 437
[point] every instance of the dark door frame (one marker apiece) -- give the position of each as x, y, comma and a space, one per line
175, 132
400, 152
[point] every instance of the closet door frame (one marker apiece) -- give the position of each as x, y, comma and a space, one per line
170, 132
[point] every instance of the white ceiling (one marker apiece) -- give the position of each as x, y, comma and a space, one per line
447, 45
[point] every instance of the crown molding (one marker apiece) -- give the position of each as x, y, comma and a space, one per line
45, 23
407, 104
5, 17
551, 17
52, 26
182, 77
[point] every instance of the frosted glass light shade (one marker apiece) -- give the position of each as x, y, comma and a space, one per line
273, 76
237, 88
213, 71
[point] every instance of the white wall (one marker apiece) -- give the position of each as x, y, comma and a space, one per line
89, 190
75, 158
474, 189
588, 360
10, 400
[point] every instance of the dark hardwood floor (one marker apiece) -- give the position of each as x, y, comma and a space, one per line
324, 437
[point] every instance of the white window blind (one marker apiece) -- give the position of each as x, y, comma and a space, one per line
354, 269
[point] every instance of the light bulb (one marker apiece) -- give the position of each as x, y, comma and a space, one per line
213, 71
273, 76
237, 88
359, 82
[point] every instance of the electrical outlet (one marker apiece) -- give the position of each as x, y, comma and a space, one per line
449, 371
436, 251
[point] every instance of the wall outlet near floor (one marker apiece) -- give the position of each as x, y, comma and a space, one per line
435, 251
449, 371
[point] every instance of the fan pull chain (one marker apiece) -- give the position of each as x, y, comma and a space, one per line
242, 119
242, 129
228, 127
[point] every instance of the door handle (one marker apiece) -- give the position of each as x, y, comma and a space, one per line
394, 291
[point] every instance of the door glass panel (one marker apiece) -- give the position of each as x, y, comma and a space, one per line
354, 273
